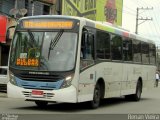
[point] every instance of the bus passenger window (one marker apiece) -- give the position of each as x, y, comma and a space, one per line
102, 45
145, 52
116, 47
127, 49
136, 51
152, 53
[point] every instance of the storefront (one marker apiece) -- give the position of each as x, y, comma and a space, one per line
6, 34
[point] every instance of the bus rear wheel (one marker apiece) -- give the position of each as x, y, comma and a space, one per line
41, 104
137, 95
96, 97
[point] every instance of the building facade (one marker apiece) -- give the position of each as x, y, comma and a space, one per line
5, 7
15, 9
106, 10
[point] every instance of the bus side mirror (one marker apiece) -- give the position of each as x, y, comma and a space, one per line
10, 33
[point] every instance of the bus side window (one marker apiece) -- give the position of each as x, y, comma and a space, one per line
116, 47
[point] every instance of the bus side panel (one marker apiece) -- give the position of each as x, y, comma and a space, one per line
111, 73
131, 73
120, 79
149, 76
86, 84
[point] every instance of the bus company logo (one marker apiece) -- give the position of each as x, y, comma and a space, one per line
39, 73
9, 117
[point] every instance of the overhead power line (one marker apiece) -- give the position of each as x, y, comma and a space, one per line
141, 19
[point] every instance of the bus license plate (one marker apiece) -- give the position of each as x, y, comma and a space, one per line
37, 93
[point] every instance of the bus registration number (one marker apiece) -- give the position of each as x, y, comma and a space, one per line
37, 93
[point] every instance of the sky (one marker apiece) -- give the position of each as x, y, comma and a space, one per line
149, 29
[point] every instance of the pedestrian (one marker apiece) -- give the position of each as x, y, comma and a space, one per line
157, 79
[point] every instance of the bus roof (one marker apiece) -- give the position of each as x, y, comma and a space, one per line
96, 24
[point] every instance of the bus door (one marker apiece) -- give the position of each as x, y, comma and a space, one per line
87, 72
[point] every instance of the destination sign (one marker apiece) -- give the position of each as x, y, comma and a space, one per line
27, 62
48, 24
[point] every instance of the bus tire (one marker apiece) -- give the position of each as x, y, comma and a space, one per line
41, 104
137, 95
156, 84
96, 97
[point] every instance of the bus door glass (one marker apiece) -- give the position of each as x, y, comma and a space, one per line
87, 71
87, 50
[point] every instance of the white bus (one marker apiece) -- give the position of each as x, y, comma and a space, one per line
73, 59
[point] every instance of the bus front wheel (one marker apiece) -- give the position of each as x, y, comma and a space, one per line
41, 104
96, 97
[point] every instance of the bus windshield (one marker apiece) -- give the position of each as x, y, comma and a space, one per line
44, 51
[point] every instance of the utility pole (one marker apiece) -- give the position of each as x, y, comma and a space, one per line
142, 19
32, 9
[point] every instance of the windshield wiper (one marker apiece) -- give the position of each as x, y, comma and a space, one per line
31, 36
54, 42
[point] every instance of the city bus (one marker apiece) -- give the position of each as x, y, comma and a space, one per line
72, 59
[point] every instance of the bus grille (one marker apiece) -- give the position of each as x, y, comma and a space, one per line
42, 78
46, 95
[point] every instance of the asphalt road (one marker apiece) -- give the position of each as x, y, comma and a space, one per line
115, 107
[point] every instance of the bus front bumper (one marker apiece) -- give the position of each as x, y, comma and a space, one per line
68, 95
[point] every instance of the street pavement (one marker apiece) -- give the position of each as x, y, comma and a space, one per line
110, 108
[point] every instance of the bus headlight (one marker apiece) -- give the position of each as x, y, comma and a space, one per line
67, 82
12, 79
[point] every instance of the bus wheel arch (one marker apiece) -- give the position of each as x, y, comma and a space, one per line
137, 95
98, 94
